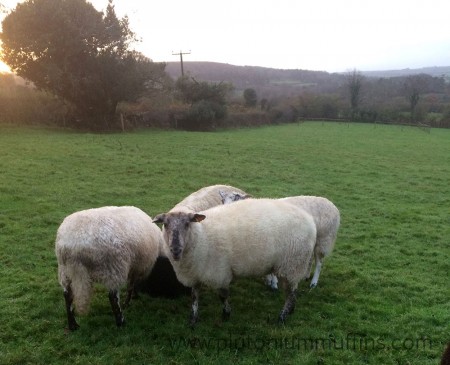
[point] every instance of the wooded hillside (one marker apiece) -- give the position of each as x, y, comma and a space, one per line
271, 82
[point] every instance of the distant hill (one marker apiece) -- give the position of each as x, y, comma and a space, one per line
268, 82
243, 76
271, 82
433, 71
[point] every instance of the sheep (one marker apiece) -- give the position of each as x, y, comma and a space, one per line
108, 245
234, 196
326, 217
206, 198
247, 238
162, 280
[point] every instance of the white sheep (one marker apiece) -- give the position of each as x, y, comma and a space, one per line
247, 238
326, 217
229, 197
206, 198
112, 246
162, 281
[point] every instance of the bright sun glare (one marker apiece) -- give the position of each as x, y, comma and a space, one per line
4, 67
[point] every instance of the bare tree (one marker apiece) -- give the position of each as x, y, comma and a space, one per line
414, 86
354, 84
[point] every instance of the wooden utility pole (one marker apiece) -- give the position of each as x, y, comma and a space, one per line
181, 59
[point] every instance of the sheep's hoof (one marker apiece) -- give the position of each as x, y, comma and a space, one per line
73, 326
225, 315
120, 322
282, 319
313, 285
284, 313
193, 320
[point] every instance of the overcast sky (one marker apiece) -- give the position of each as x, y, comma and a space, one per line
327, 35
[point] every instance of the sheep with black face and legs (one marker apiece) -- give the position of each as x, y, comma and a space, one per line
326, 218
205, 198
112, 246
248, 238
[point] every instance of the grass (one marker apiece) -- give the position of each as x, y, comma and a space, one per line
383, 296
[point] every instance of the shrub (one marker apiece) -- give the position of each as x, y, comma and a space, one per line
203, 116
25, 105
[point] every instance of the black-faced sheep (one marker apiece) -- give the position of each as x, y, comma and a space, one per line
162, 280
206, 198
112, 246
326, 218
247, 238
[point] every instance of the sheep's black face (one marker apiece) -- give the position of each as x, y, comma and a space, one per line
228, 198
176, 245
176, 227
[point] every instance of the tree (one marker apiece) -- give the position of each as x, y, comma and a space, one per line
192, 91
207, 100
250, 97
264, 104
414, 86
81, 55
354, 83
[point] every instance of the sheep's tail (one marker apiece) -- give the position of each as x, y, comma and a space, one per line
81, 285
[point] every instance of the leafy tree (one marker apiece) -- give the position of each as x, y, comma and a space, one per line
250, 97
81, 55
192, 91
208, 102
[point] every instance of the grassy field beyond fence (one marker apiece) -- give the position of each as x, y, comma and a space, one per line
383, 296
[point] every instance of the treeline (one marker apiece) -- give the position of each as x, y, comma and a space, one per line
291, 94
192, 104
414, 99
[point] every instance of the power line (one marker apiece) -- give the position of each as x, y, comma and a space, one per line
181, 59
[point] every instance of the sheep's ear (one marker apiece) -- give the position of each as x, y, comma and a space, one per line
197, 217
222, 194
239, 196
159, 218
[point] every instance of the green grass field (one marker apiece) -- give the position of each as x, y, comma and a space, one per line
384, 293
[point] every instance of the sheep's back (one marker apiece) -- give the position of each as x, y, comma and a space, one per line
205, 198
108, 241
259, 234
325, 214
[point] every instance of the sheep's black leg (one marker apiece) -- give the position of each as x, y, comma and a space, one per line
68, 296
224, 293
115, 305
131, 294
193, 319
289, 306
131, 290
